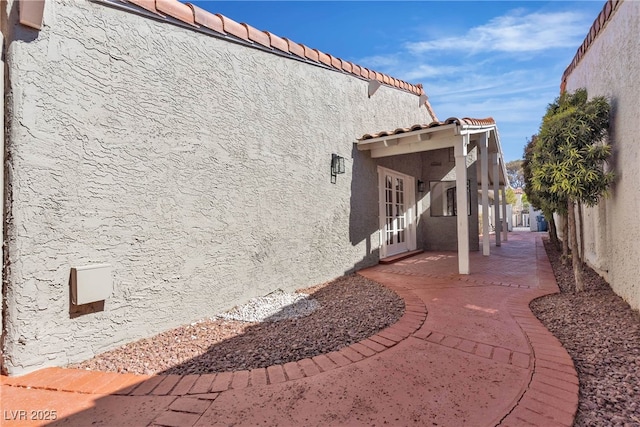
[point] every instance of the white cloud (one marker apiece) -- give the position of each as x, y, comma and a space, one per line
425, 71
402, 67
514, 32
513, 82
510, 110
379, 61
492, 84
516, 100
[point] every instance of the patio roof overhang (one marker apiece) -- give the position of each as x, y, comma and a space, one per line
437, 135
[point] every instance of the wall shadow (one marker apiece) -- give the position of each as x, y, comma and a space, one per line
614, 160
352, 308
260, 345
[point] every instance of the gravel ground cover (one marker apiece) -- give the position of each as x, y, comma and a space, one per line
602, 335
336, 314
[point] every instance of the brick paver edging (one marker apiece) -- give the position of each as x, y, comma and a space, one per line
208, 386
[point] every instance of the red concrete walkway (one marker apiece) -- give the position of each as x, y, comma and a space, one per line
479, 358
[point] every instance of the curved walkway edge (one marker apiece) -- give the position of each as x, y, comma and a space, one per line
551, 397
203, 385
480, 357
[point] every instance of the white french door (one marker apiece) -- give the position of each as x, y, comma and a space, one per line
397, 212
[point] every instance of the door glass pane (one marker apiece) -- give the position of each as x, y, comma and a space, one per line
395, 211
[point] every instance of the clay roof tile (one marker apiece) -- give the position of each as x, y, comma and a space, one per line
206, 19
177, 10
232, 27
149, 5
489, 121
277, 42
257, 36
311, 54
608, 7
323, 57
336, 62
295, 48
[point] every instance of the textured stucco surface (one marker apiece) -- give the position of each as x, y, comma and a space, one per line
611, 68
196, 167
2, 186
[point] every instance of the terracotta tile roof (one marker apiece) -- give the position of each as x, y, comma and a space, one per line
489, 121
198, 17
598, 25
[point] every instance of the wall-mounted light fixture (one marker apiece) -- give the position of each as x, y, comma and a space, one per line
337, 166
421, 186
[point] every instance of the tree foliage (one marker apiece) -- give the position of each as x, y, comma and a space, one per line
511, 197
539, 196
515, 173
564, 164
572, 154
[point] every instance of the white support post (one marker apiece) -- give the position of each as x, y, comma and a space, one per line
505, 226
496, 197
484, 179
460, 152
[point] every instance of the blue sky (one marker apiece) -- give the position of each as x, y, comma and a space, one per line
475, 59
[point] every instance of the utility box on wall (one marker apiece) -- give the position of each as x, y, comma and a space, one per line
91, 283
31, 12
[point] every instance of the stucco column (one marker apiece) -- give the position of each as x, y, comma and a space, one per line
484, 180
496, 197
505, 228
460, 152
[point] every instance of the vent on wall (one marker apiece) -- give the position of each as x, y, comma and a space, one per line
91, 283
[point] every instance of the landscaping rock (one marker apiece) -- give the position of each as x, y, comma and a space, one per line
602, 335
332, 316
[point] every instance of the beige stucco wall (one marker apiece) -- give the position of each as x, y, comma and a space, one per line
611, 68
196, 167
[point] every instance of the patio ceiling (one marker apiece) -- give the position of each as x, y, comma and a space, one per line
437, 135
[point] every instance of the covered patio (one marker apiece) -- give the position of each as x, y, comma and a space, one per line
460, 135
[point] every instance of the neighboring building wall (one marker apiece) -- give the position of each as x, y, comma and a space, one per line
611, 68
197, 167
